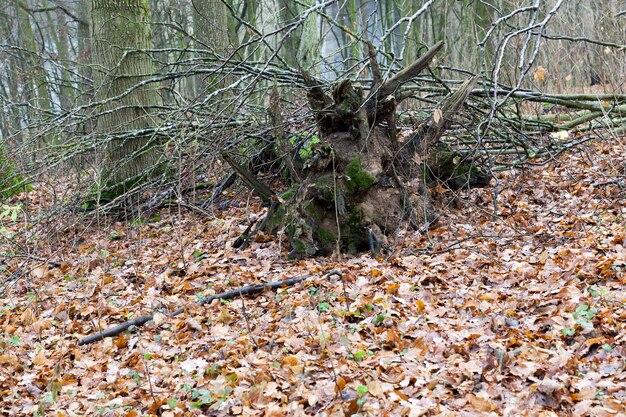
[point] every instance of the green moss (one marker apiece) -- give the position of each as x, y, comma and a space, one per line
289, 194
299, 245
11, 182
355, 219
449, 167
312, 210
344, 107
277, 220
108, 192
326, 235
326, 188
357, 178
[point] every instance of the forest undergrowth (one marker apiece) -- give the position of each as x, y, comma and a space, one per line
522, 313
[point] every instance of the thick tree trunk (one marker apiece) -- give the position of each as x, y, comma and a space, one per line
120, 35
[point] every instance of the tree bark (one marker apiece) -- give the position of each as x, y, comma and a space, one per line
62, 41
120, 35
33, 72
210, 28
288, 13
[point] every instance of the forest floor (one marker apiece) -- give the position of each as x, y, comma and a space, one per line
519, 314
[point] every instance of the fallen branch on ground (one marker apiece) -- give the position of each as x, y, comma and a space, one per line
238, 292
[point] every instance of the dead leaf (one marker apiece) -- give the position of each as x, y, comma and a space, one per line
195, 324
540, 74
159, 318
482, 404
225, 317
437, 115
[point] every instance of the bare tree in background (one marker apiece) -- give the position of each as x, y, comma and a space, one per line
210, 27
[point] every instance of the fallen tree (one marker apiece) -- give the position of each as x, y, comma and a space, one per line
353, 180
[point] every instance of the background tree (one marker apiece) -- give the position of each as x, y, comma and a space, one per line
122, 67
210, 29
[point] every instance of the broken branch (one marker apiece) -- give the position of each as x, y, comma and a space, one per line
238, 292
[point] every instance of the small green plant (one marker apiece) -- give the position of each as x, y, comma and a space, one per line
323, 306
213, 370
360, 355
583, 315
172, 403
201, 397
10, 211
597, 292
307, 150
136, 376
5, 309
306, 142
199, 255
362, 391
137, 222
8, 214
379, 319
110, 409
14, 340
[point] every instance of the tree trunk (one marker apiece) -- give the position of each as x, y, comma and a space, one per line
38, 73
83, 60
120, 35
288, 14
33, 70
356, 182
62, 41
210, 28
